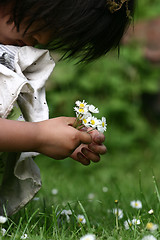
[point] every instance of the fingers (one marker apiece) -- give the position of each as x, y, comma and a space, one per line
82, 159
94, 157
97, 137
70, 120
98, 148
85, 137
86, 156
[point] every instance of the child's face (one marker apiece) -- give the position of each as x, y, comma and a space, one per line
10, 36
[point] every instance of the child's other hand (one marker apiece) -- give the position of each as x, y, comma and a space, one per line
58, 139
90, 152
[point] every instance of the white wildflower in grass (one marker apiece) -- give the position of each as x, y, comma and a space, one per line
149, 237
36, 199
3, 231
54, 191
105, 189
81, 219
88, 237
93, 109
151, 211
3, 219
67, 214
91, 196
118, 212
136, 221
24, 236
151, 226
136, 204
102, 125
130, 224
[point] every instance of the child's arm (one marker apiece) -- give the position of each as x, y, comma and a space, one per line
90, 152
55, 138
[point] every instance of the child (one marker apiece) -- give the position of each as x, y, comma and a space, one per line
83, 29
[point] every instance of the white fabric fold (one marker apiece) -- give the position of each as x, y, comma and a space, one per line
26, 86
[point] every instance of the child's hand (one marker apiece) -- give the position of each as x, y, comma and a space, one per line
90, 152
58, 139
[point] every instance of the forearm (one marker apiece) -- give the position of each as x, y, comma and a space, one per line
55, 138
16, 136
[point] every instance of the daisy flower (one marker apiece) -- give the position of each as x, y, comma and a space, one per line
102, 126
80, 104
80, 111
67, 214
151, 211
36, 199
3, 231
81, 219
131, 223
93, 109
88, 237
91, 196
151, 226
136, 204
136, 221
128, 224
84, 117
24, 236
3, 219
54, 191
149, 237
94, 122
105, 189
86, 120
118, 212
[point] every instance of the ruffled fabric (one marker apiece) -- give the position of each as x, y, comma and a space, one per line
26, 86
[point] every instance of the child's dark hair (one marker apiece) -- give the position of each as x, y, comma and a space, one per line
81, 28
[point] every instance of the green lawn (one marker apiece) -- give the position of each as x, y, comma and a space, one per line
91, 191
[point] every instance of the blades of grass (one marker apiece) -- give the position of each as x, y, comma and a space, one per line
156, 187
9, 228
20, 221
85, 214
29, 220
141, 191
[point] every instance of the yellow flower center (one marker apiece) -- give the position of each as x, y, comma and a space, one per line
85, 121
92, 122
80, 219
81, 110
81, 105
136, 204
149, 225
102, 124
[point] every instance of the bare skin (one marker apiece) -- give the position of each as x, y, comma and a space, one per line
56, 137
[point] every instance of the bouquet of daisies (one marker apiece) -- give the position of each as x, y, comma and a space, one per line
84, 117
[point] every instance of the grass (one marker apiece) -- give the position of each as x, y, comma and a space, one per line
126, 177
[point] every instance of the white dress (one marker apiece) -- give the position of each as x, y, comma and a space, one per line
23, 74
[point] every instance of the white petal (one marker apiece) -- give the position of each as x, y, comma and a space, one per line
93, 109
88, 237
3, 219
